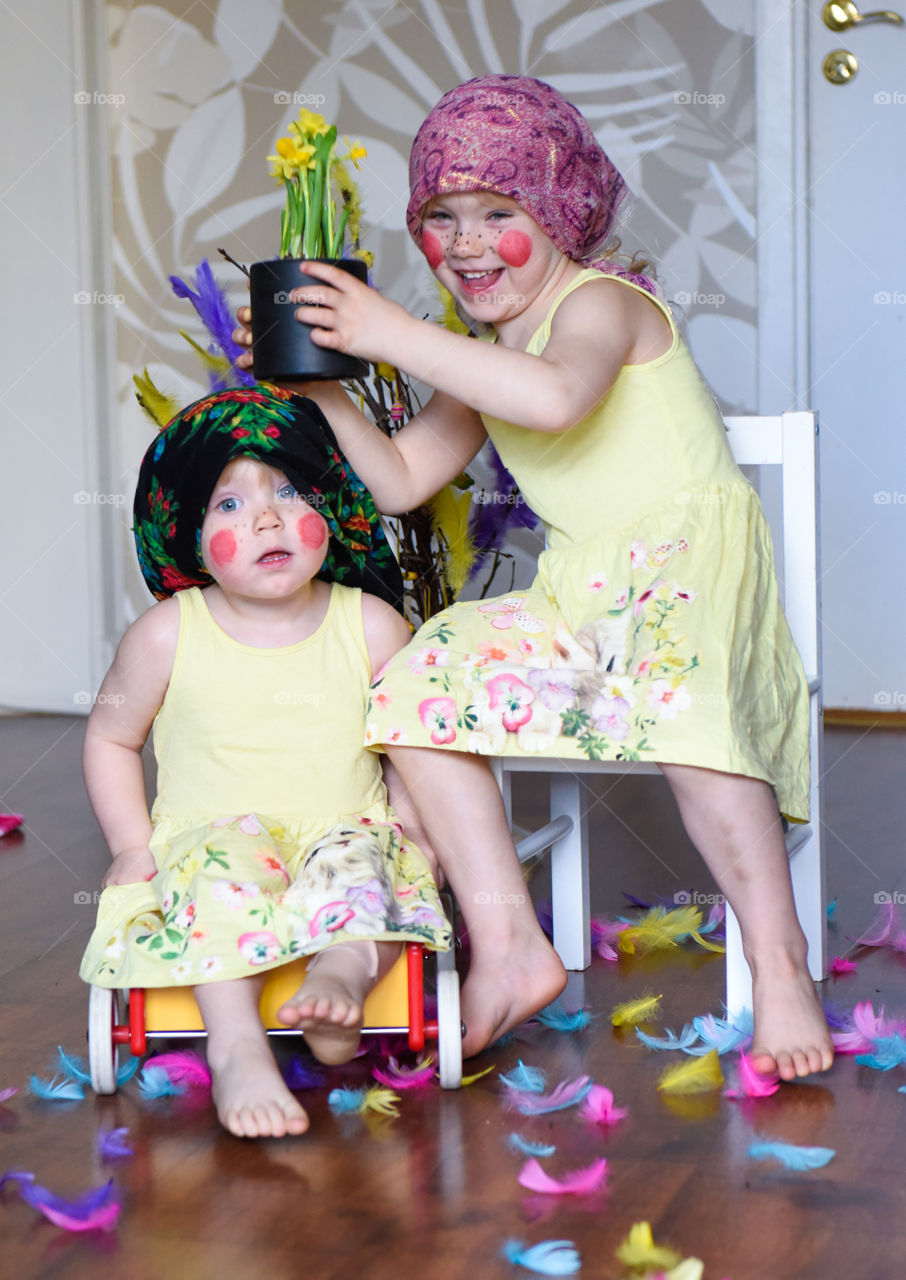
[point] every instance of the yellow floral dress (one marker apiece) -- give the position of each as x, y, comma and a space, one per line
272, 837
653, 630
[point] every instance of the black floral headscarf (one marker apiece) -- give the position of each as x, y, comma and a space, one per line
289, 432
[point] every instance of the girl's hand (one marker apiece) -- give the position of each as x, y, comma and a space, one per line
350, 316
242, 336
130, 867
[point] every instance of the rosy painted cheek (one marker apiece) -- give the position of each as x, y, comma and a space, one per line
432, 249
312, 531
515, 247
223, 547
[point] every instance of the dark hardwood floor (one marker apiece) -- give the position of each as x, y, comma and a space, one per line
434, 1192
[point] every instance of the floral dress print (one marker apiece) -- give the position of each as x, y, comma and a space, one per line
653, 630
272, 834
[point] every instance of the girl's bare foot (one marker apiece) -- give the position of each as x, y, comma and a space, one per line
791, 1036
329, 1005
507, 984
251, 1097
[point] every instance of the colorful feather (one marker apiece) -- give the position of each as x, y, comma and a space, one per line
450, 517
547, 1258
660, 929
210, 302
382, 1101
630, 1012
95, 1210
556, 1017
604, 933
185, 1067
789, 1155
345, 1101
568, 1094
696, 1075
73, 1068
751, 1083
880, 929
671, 1040
639, 1253
545, 918
580, 1182
6, 1094
299, 1075
9, 822
155, 1083
716, 1033
864, 1029
159, 407
888, 1052
526, 1148
56, 1090
419, 1076
598, 1107
467, 1080
125, 1073
831, 911
113, 1145
840, 964
525, 1079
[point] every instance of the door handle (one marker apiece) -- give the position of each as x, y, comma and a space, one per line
839, 15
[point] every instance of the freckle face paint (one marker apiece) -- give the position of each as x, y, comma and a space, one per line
312, 530
432, 249
223, 547
515, 247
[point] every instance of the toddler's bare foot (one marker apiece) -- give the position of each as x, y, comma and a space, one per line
791, 1036
505, 985
251, 1097
328, 1008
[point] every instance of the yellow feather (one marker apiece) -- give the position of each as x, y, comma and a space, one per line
467, 1080
631, 1011
449, 316
639, 1252
695, 1075
707, 943
660, 929
159, 407
450, 513
219, 364
383, 1101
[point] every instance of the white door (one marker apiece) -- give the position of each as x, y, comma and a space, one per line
857, 379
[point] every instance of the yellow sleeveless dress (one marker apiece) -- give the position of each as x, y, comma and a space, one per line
653, 630
272, 837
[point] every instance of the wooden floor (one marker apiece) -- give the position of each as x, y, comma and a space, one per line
434, 1192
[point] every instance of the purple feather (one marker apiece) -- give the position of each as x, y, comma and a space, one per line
299, 1075
501, 508
210, 302
96, 1208
114, 1145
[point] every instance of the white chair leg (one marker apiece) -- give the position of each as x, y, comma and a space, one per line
739, 979
569, 875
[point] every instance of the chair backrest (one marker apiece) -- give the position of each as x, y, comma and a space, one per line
790, 441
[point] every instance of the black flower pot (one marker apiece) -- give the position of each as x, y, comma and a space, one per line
281, 344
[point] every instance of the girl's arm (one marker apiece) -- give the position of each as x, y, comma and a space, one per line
120, 720
596, 330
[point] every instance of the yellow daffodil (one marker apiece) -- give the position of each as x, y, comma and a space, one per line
309, 124
356, 151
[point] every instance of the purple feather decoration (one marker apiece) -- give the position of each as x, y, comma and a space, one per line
210, 302
498, 510
96, 1209
299, 1075
545, 918
567, 1094
6, 1094
114, 1145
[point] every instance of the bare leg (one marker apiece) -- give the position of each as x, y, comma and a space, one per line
250, 1094
328, 1006
734, 823
514, 970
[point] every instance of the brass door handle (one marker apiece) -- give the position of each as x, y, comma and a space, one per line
839, 15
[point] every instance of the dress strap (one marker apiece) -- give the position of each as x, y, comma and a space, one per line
541, 336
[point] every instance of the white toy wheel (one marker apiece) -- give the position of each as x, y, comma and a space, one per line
449, 1029
102, 1052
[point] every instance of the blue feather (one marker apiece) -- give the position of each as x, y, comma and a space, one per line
715, 1033
73, 1068
556, 1016
526, 1079
671, 1040
56, 1090
125, 1073
344, 1101
548, 1258
155, 1083
889, 1052
520, 1144
832, 912
791, 1156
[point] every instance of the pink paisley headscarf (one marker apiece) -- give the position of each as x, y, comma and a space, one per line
518, 136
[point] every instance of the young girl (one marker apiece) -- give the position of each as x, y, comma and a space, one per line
653, 629
271, 836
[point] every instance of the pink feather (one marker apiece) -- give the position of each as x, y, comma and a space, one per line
578, 1183
95, 1209
879, 930
598, 1106
867, 1027
6, 1094
840, 964
751, 1083
397, 1077
184, 1067
9, 822
566, 1094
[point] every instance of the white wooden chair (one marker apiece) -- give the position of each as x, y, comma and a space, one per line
789, 442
